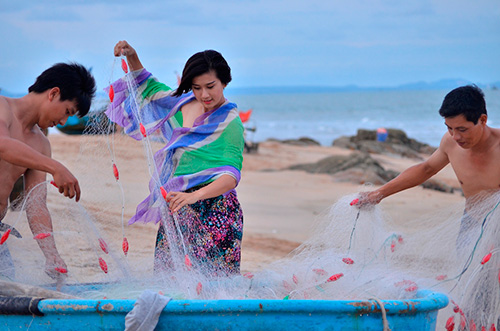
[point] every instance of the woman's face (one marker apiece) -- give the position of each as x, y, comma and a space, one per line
209, 90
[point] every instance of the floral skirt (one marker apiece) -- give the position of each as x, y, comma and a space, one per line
211, 230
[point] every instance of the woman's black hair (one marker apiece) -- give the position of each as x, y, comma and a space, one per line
201, 63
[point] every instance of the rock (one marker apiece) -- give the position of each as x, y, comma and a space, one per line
437, 185
348, 168
302, 141
361, 168
397, 143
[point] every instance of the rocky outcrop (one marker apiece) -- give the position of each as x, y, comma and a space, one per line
397, 143
303, 141
360, 168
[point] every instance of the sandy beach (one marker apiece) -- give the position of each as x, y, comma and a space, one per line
280, 206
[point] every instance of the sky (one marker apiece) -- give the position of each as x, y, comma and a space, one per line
368, 43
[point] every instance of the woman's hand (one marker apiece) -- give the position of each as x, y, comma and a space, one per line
177, 200
123, 48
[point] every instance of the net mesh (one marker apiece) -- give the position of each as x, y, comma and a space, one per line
352, 254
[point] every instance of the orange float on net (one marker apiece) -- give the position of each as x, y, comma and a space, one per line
115, 172
103, 265
5, 236
187, 262
295, 279
42, 235
163, 192
124, 66
103, 245
486, 258
347, 260
472, 325
61, 270
335, 277
463, 322
199, 287
320, 272
353, 202
125, 245
450, 324
411, 288
54, 183
111, 93
248, 275
143, 130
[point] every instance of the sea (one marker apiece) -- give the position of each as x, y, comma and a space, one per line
327, 116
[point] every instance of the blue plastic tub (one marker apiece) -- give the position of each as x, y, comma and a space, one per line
414, 314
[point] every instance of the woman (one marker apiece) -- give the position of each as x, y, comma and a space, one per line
199, 167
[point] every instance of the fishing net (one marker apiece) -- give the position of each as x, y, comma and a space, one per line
352, 254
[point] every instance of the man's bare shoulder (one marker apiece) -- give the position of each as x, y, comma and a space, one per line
447, 144
5, 110
495, 132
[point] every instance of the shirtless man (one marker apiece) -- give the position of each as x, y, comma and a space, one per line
470, 146
59, 92
473, 150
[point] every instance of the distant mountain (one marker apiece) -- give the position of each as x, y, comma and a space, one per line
444, 84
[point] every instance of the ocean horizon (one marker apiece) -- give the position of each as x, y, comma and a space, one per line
287, 113
325, 117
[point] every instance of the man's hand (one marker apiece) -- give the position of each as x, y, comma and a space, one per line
67, 183
367, 199
56, 269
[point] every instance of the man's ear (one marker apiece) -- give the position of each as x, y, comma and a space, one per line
483, 119
53, 92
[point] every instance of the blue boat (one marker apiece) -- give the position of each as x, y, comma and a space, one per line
63, 314
95, 122
74, 125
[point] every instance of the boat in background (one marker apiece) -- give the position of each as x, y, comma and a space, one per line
95, 122
74, 125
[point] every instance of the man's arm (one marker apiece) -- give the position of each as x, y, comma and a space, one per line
40, 221
413, 176
18, 153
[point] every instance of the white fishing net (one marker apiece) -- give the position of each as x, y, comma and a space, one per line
353, 253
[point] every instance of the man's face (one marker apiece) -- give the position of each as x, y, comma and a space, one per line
465, 133
57, 112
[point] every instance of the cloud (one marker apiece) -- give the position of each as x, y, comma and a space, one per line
278, 42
